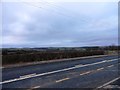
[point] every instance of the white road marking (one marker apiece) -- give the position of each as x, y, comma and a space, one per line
52, 72
29, 75
100, 69
112, 86
111, 60
85, 73
97, 63
62, 80
111, 66
36, 87
108, 82
78, 65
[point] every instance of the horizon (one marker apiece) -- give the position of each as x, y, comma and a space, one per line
57, 47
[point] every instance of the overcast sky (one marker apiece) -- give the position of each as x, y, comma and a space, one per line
59, 24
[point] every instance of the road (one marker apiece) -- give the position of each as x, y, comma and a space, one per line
95, 73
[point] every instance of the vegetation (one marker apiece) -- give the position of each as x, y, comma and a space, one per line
12, 56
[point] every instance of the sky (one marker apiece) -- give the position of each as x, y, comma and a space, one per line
59, 24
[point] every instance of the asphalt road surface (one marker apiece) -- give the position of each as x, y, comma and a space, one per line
100, 72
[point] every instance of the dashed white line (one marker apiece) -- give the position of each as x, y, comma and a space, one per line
100, 69
52, 72
108, 82
111, 66
78, 65
29, 75
85, 73
36, 87
62, 80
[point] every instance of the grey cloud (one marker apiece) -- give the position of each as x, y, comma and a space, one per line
56, 29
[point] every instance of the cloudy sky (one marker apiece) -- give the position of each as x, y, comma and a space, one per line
59, 24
